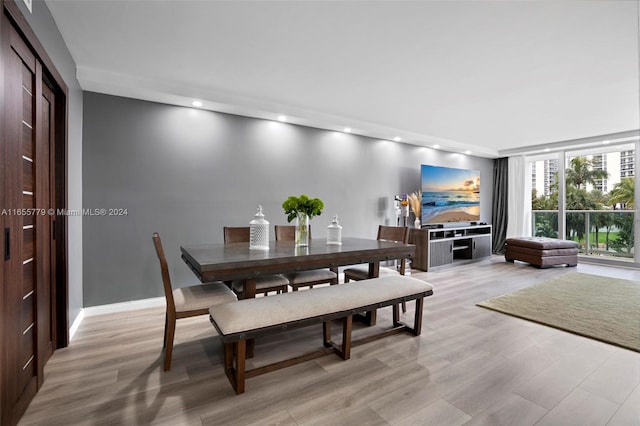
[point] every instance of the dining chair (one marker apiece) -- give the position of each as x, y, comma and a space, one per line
303, 278
185, 302
398, 234
264, 284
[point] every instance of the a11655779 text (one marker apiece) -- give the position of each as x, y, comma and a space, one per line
65, 212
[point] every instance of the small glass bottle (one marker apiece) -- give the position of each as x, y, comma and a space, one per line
259, 232
334, 232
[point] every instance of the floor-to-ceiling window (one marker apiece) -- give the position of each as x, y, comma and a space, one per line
544, 196
598, 194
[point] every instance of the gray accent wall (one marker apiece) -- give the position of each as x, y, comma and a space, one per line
186, 173
45, 28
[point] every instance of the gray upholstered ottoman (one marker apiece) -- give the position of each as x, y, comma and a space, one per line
541, 252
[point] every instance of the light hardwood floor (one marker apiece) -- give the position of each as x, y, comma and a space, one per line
470, 366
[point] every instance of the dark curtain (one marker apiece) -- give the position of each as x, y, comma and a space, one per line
500, 191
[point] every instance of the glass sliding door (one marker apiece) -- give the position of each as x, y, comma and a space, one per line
600, 211
599, 195
544, 196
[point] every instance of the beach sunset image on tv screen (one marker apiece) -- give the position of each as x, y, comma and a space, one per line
450, 195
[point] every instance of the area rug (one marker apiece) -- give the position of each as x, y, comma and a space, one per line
602, 308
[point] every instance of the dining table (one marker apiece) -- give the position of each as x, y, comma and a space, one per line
231, 261
236, 261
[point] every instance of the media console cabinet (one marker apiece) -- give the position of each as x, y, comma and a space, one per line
437, 247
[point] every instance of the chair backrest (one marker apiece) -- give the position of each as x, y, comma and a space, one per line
164, 268
287, 232
236, 234
398, 234
393, 233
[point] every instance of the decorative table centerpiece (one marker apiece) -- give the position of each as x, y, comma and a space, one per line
302, 209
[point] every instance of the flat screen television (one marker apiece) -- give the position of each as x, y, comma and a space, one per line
449, 194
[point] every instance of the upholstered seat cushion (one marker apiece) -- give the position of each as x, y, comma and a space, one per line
541, 243
543, 253
262, 283
252, 314
361, 272
202, 296
303, 277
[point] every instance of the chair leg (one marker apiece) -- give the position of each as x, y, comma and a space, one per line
164, 338
404, 307
170, 331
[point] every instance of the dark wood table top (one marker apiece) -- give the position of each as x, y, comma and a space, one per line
212, 262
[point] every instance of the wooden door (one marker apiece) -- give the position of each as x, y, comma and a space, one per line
28, 323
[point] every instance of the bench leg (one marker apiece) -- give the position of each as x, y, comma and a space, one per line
236, 375
371, 317
347, 323
396, 315
417, 321
240, 366
326, 334
251, 346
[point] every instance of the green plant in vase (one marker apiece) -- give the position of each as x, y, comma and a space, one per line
302, 209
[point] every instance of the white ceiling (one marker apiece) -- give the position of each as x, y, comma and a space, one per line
486, 76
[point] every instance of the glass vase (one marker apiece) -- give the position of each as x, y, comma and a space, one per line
302, 230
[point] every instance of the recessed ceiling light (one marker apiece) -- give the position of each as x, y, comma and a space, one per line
467, 152
397, 139
605, 142
282, 118
196, 104
347, 129
436, 146
547, 149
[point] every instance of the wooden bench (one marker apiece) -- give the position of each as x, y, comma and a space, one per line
239, 321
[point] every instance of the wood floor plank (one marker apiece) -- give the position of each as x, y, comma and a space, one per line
616, 378
440, 413
629, 413
511, 411
498, 383
554, 383
580, 408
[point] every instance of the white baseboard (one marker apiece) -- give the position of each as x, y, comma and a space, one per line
76, 324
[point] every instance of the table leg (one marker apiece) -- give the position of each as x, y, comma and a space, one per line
249, 288
374, 269
370, 317
249, 292
374, 272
